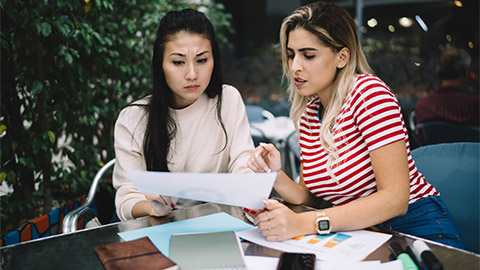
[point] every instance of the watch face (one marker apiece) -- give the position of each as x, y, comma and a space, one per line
323, 225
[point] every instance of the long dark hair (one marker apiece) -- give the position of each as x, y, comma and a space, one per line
161, 127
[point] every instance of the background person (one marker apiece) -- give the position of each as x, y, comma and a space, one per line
189, 123
449, 102
354, 143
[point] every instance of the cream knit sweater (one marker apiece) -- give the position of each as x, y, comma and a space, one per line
196, 147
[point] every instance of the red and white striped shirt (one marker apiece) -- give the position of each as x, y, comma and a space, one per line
369, 119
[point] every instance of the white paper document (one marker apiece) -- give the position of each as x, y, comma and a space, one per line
261, 263
341, 246
246, 190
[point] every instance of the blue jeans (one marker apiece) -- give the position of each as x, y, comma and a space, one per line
428, 218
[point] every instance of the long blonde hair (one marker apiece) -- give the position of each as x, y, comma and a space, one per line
335, 28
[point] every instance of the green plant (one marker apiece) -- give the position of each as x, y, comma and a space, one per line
68, 67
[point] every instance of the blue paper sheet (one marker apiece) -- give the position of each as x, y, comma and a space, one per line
160, 235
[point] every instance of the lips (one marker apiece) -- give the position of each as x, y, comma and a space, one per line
299, 81
192, 87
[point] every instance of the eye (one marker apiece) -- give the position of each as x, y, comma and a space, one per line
178, 62
290, 56
309, 56
201, 61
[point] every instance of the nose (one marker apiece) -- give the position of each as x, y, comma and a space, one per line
295, 64
191, 72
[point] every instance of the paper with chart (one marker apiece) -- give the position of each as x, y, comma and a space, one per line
341, 246
246, 190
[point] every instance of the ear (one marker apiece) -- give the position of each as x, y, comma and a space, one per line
343, 56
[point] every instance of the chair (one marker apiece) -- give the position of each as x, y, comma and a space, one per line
434, 132
257, 113
258, 136
293, 150
453, 169
445, 132
71, 219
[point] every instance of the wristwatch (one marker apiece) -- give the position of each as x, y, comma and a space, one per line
322, 223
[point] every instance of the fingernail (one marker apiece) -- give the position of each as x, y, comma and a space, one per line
256, 154
245, 210
265, 201
267, 169
172, 205
253, 212
262, 144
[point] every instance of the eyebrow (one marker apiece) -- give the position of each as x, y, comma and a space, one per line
182, 55
303, 49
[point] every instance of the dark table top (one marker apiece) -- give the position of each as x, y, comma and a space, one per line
76, 250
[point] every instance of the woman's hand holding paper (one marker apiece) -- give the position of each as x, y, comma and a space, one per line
161, 205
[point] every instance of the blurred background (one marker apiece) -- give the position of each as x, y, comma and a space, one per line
403, 40
68, 67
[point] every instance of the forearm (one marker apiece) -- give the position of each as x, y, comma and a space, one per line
292, 192
142, 208
357, 215
267, 158
369, 211
129, 157
390, 166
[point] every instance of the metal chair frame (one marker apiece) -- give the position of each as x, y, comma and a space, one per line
71, 218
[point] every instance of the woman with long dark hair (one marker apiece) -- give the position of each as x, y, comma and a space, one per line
191, 122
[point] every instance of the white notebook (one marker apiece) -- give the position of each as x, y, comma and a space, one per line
213, 250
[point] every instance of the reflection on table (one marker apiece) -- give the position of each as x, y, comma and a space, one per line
76, 250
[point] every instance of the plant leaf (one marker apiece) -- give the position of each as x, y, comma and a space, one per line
46, 29
51, 136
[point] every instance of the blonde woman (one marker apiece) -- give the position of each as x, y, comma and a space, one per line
354, 145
